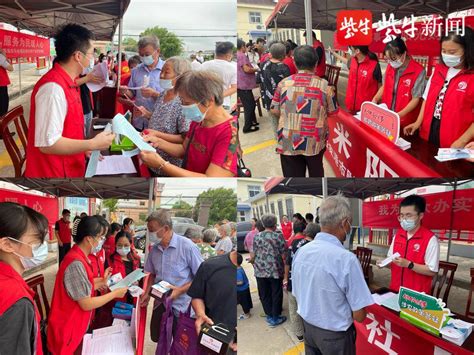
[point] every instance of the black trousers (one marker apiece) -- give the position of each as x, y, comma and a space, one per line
296, 165
63, 251
248, 102
271, 295
4, 100
318, 341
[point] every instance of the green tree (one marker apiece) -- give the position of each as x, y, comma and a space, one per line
130, 44
111, 204
170, 44
183, 209
223, 204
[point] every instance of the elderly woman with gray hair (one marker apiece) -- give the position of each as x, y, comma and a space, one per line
167, 120
211, 145
269, 250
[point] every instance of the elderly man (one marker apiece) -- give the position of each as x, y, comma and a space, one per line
301, 104
224, 245
269, 250
225, 68
329, 329
149, 50
172, 258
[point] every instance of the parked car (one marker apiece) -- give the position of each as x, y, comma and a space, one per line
242, 229
139, 240
182, 220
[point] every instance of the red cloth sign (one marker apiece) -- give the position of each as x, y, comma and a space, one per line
383, 214
356, 150
384, 332
21, 45
48, 206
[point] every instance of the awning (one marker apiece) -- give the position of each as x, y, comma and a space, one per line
353, 188
243, 207
291, 14
259, 33
106, 187
43, 17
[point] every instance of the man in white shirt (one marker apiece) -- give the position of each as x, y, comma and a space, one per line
225, 68
200, 57
195, 65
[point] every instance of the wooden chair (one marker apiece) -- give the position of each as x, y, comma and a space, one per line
469, 313
36, 283
332, 76
365, 256
444, 278
17, 154
240, 107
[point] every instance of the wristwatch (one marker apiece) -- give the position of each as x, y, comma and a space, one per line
411, 265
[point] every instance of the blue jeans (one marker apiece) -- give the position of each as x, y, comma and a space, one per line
87, 124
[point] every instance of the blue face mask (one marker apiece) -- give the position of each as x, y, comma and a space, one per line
193, 113
148, 59
98, 248
40, 253
166, 84
408, 224
123, 251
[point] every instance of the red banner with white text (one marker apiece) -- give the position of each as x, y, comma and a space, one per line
384, 332
383, 214
21, 45
48, 206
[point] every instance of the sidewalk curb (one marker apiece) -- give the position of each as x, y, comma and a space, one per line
16, 94
48, 262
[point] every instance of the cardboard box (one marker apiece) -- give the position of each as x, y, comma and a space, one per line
216, 338
160, 290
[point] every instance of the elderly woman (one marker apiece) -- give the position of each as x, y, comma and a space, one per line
167, 120
210, 147
269, 250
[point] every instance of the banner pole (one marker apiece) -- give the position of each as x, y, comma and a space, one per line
451, 218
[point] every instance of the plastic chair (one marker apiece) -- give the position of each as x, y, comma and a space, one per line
469, 313
445, 273
365, 256
36, 283
17, 155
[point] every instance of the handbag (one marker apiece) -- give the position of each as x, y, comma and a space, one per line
185, 340
166, 329
242, 170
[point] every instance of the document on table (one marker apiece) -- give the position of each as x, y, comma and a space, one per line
447, 154
114, 329
391, 302
92, 165
120, 125
134, 276
379, 299
388, 260
109, 344
114, 165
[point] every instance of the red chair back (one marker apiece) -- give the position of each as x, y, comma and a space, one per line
17, 153
469, 313
365, 256
36, 283
444, 279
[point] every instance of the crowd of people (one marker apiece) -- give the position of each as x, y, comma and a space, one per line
295, 91
184, 112
300, 255
202, 275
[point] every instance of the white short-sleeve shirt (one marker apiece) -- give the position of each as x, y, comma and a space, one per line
226, 70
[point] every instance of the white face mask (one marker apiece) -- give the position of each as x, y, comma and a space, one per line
451, 60
123, 251
40, 253
153, 237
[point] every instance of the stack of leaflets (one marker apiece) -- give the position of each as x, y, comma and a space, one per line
447, 154
456, 331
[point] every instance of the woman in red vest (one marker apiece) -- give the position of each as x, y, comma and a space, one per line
320, 69
286, 227
22, 246
73, 299
56, 146
109, 245
447, 114
404, 83
418, 248
5, 66
365, 76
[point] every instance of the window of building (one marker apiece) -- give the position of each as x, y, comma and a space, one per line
253, 190
260, 208
289, 207
255, 17
241, 216
272, 208
280, 209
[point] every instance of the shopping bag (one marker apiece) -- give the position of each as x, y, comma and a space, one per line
166, 329
185, 341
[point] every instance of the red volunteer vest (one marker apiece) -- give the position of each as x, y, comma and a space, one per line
361, 86
403, 95
97, 263
4, 79
320, 69
286, 230
457, 113
43, 165
67, 321
118, 266
109, 247
64, 231
412, 250
12, 289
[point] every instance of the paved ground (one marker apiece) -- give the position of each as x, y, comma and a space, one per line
256, 337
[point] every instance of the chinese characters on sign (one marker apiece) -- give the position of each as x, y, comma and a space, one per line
21, 45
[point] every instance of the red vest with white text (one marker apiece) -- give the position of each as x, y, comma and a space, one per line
320, 69
97, 263
361, 86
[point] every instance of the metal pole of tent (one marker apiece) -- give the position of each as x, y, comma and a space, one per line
119, 59
308, 22
451, 218
324, 182
151, 188
361, 229
19, 74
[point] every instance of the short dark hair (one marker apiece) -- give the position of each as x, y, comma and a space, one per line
305, 57
15, 220
70, 39
260, 40
65, 211
83, 214
309, 217
134, 60
259, 226
114, 227
314, 34
298, 227
240, 43
240, 259
223, 48
395, 47
122, 234
127, 221
89, 226
104, 223
467, 42
416, 201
